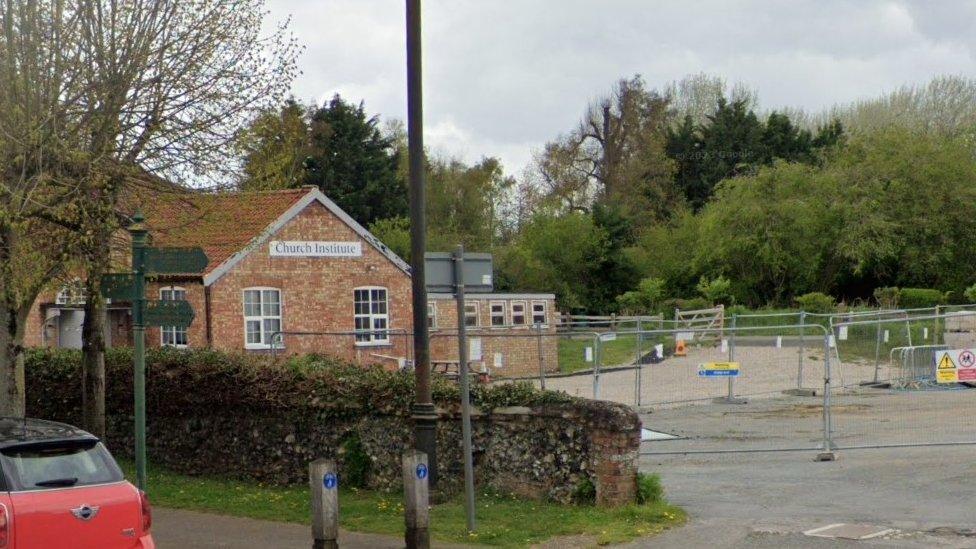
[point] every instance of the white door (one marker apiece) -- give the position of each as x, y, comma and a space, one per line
69, 328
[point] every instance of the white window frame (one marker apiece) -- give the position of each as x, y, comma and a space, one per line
477, 313
526, 317
265, 342
492, 315
371, 333
174, 330
72, 294
431, 314
545, 313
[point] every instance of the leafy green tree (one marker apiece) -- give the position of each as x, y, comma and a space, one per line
911, 197
274, 148
781, 139
463, 203
559, 254
645, 299
354, 163
715, 290
395, 233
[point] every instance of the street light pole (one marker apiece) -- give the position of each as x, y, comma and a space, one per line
423, 413
139, 236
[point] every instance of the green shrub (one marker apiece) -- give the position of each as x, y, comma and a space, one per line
649, 489
736, 310
816, 302
644, 299
715, 291
887, 298
911, 298
585, 492
970, 294
356, 464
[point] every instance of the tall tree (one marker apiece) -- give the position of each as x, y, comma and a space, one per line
274, 148
616, 155
156, 87
41, 171
354, 163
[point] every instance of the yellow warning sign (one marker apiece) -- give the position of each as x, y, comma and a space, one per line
946, 363
946, 376
719, 366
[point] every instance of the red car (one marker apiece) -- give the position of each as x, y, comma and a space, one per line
61, 488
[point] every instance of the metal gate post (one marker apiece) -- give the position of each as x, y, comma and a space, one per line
877, 349
640, 365
732, 359
799, 366
597, 344
827, 454
542, 364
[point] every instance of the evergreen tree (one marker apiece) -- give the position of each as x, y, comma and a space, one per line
353, 163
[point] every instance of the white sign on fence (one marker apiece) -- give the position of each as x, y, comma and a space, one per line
842, 333
612, 336
725, 345
831, 342
588, 354
886, 336
925, 333
779, 342
955, 366
684, 336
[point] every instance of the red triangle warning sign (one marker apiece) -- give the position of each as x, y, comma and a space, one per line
946, 363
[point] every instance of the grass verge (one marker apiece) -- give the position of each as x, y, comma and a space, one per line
502, 521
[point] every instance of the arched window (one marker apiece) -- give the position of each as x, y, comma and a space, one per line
173, 336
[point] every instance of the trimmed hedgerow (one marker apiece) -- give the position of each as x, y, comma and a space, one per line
192, 380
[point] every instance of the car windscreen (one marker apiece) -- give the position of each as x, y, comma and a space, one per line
54, 466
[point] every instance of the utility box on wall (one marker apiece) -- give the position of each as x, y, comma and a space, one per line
478, 272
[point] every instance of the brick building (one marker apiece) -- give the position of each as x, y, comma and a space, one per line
289, 272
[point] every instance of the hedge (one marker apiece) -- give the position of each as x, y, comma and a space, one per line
912, 298
179, 381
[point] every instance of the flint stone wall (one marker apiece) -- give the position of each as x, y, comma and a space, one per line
542, 453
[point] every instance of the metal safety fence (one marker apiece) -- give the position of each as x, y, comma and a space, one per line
802, 381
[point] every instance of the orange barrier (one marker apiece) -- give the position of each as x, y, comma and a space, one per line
680, 349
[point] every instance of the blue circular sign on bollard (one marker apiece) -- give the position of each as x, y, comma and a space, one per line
422, 471
330, 481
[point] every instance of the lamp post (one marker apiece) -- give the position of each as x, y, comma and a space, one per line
139, 233
422, 411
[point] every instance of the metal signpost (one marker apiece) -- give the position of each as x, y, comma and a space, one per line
459, 272
132, 287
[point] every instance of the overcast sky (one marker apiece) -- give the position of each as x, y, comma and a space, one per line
504, 76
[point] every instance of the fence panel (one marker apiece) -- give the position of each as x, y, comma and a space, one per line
756, 409
901, 402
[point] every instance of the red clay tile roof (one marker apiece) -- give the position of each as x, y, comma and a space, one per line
221, 223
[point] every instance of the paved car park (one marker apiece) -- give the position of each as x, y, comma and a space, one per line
768, 499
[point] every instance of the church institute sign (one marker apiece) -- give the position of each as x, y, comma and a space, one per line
318, 248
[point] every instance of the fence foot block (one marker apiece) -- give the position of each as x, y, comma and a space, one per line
803, 392
826, 456
727, 400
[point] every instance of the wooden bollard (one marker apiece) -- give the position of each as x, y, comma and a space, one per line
323, 479
416, 510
